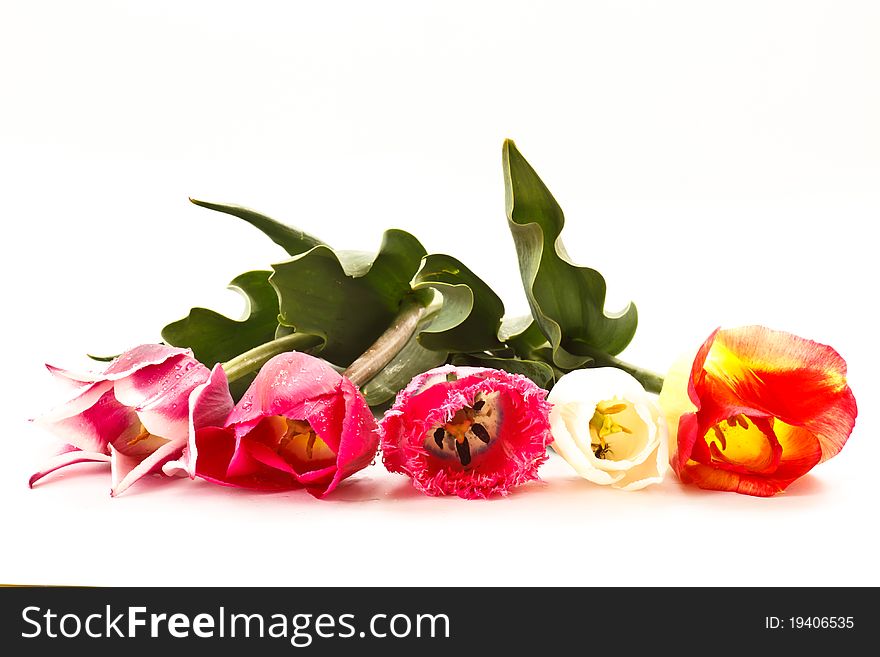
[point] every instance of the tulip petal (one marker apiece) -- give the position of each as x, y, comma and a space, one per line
801, 451
93, 420
159, 392
651, 471
785, 376
209, 405
712, 478
66, 458
71, 377
207, 455
286, 385
126, 470
835, 425
140, 357
568, 448
358, 438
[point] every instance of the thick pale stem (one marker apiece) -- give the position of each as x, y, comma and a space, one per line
255, 358
388, 345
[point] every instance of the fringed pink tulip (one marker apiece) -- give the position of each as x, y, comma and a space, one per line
465, 431
137, 413
299, 425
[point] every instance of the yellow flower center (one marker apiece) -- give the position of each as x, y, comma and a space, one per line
460, 423
301, 443
603, 425
744, 441
142, 444
142, 436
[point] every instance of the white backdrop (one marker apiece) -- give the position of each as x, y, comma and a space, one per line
719, 163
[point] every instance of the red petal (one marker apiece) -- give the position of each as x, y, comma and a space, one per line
775, 374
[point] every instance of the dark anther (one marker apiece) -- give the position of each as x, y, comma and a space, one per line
452, 376
480, 432
438, 436
464, 451
478, 405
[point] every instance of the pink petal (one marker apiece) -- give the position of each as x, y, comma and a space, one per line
66, 458
125, 470
358, 439
140, 357
159, 394
207, 454
287, 385
210, 405
93, 420
74, 378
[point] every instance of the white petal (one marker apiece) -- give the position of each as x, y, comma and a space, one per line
595, 384
654, 469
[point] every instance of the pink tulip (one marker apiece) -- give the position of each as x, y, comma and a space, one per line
465, 431
137, 414
299, 425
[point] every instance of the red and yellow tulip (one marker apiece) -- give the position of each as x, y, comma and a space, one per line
756, 409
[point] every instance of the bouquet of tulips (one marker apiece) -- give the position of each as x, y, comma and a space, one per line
345, 354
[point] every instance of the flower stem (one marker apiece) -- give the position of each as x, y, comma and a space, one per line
254, 359
652, 381
387, 345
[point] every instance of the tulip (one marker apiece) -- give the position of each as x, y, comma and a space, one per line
137, 413
471, 432
299, 425
756, 409
608, 428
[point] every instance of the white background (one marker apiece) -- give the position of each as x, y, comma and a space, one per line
718, 162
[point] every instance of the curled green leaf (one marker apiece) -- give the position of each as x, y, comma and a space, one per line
348, 298
215, 338
567, 301
292, 240
471, 313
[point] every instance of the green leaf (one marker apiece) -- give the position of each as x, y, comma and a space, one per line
215, 338
292, 240
522, 334
567, 301
410, 361
348, 299
471, 314
103, 359
540, 373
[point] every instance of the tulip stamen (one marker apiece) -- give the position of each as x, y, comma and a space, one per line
603, 424
719, 435
143, 435
467, 433
603, 421
301, 442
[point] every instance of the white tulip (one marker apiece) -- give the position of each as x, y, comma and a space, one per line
608, 428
